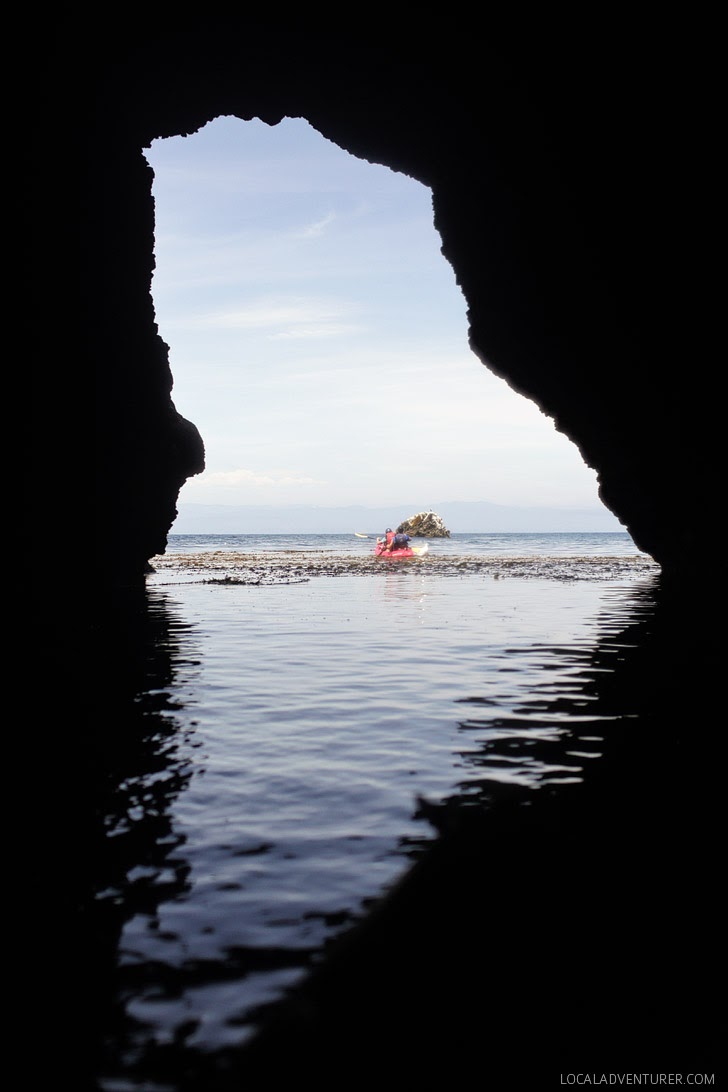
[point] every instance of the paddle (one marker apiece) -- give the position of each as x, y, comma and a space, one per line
358, 534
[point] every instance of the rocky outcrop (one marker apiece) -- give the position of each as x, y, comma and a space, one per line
424, 525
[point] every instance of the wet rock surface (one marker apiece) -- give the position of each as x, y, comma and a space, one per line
290, 567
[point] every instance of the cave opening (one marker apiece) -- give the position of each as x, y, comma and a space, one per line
610, 920
318, 340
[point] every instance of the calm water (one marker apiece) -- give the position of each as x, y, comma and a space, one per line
286, 704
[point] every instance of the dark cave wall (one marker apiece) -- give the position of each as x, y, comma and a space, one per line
144, 450
562, 185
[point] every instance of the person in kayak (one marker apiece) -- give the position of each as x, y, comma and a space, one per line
398, 541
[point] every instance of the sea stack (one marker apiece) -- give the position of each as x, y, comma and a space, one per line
424, 525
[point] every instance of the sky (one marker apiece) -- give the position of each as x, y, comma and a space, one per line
318, 338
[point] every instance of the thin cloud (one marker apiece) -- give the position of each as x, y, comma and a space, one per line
235, 478
312, 231
317, 330
282, 317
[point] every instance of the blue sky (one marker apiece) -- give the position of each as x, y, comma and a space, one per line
318, 338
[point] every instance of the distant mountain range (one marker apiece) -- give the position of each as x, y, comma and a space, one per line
459, 517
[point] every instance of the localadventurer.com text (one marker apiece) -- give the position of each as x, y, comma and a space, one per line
648, 1079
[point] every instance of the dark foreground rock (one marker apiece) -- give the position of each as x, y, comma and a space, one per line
424, 525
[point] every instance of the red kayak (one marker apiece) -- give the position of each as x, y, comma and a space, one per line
397, 555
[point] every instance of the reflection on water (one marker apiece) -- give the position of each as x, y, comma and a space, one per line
138, 760
258, 773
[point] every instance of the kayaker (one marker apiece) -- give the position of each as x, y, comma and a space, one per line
398, 541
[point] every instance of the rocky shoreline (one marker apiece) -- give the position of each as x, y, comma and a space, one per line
229, 567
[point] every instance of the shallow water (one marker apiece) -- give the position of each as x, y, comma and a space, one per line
284, 731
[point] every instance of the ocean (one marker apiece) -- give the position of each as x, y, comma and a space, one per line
286, 713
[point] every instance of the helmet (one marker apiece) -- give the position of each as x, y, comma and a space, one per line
388, 531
